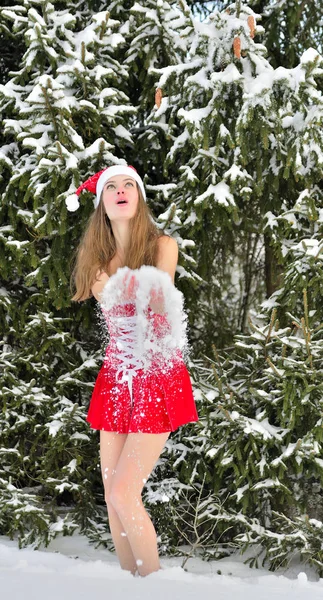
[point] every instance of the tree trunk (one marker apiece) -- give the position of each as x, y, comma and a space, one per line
273, 271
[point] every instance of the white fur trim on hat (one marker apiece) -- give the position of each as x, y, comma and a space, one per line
112, 172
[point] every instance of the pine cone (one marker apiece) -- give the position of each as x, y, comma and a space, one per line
237, 47
252, 26
158, 97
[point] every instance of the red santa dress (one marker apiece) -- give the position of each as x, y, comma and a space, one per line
133, 393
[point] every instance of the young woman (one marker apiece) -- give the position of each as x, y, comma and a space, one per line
121, 250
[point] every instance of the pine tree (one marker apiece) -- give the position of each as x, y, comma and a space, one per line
264, 432
268, 408
291, 28
266, 401
154, 39
232, 153
236, 154
65, 115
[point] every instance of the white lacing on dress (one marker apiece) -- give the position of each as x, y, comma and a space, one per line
126, 340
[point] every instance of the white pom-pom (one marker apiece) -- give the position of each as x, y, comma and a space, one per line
72, 202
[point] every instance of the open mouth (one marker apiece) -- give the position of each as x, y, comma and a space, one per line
122, 202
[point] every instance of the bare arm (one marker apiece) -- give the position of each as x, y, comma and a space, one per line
167, 261
101, 278
168, 255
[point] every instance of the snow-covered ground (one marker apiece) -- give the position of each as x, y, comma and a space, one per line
70, 568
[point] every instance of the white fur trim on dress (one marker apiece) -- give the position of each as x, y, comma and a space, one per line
146, 344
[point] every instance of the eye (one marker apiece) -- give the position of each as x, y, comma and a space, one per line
129, 183
109, 185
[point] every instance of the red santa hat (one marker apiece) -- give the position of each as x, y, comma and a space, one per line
96, 183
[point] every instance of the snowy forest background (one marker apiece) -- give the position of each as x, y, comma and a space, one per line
232, 162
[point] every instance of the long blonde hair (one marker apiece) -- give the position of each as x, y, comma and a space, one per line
98, 246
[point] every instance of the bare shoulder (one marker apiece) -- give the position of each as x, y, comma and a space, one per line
100, 275
167, 244
167, 255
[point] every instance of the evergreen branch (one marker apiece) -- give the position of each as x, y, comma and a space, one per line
216, 355
218, 380
271, 324
225, 412
307, 338
50, 109
273, 367
305, 307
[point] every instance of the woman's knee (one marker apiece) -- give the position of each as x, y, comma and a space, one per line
113, 495
122, 498
107, 493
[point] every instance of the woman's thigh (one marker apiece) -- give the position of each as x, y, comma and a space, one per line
138, 457
111, 445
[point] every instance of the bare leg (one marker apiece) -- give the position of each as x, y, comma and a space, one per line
138, 457
111, 445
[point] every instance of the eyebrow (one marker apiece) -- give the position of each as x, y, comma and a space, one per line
113, 180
